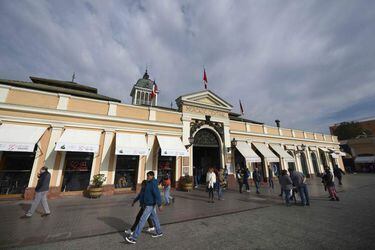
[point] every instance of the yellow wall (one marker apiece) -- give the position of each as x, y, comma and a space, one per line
168, 117
319, 137
132, 112
272, 131
256, 128
86, 106
34, 99
299, 134
286, 132
238, 126
310, 135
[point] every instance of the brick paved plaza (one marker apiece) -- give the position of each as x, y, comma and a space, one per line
241, 221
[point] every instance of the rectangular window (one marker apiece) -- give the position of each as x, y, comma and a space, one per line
77, 171
126, 171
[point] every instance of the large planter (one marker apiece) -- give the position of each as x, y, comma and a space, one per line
95, 192
186, 186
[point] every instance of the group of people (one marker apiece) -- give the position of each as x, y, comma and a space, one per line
216, 181
243, 175
292, 183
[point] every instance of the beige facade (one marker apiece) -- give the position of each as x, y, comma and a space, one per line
197, 112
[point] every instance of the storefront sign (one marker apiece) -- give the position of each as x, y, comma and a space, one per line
170, 152
131, 151
77, 147
17, 147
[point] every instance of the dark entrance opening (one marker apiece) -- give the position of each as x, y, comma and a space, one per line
305, 170
126, 171
77, 171
167, 167
206, 153
315, 164
15, 170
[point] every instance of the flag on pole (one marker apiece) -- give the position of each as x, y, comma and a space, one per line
242, 112
205, 78
154, 90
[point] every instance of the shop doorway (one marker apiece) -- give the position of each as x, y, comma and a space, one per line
15, 171
77, 171
126, 171
167, 167
206, 153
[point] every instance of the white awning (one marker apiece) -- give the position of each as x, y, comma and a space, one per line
77, 140
364, 159
131, 144
266, 152
290, 147
282, 153
324, 149
340, 153
172, 146
334, 156
19, 138
247, 152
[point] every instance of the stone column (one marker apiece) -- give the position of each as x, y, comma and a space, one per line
106, 155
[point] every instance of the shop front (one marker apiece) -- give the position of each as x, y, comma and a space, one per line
79, 149
245, 157
170, 147
130, 147
268, 158
18, 151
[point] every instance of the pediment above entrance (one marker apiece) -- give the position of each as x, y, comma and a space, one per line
204, 99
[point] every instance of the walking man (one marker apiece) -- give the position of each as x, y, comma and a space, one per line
41, 191
270, 177
246, 175
239, 178
286, 185
299, 179
338, 173
151, 198
328, 181
256, 179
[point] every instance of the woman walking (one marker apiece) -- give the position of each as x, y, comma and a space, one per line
167, 190
210, 180
328, 181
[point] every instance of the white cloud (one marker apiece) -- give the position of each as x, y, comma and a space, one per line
295, 61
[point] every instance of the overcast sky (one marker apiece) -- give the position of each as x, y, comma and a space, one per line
306, 63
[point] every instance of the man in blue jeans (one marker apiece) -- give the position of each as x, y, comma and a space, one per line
299, 179
151, 198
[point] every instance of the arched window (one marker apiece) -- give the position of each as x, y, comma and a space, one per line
315, 164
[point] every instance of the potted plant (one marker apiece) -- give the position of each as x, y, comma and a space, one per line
186, 183
96, 189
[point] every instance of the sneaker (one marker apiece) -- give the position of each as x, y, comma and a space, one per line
157, 235
130, 240
45, 215
128, 231
150, 229
332, 199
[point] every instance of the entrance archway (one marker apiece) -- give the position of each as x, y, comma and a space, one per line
206, 153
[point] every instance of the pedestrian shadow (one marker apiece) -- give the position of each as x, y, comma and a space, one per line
118, 224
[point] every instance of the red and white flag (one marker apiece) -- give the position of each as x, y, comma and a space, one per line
242, 112
154, 90
205, 81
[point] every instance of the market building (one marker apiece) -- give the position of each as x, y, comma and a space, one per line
78, 133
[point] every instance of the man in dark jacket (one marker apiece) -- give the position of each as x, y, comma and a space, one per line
299, 179
41, 191
256, 179
338, 173
151, 198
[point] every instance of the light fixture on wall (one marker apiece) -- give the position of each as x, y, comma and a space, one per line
191, 142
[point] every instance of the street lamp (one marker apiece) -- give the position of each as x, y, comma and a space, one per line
234, 143
191, 142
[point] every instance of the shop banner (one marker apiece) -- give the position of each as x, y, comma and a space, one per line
77, 147
17, 147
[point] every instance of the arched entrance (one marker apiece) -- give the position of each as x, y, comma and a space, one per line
206, 153
305, 169
315, 164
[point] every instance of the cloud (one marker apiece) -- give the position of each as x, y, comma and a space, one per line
300, 62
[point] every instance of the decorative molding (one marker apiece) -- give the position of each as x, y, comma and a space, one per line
4, 91
204, 111
112, 110
217, 126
